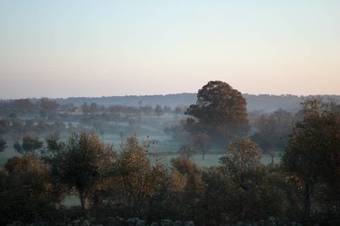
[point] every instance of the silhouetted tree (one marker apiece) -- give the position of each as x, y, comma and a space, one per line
241, 166
139, 179
30, 143
24, 105
17, 146
82, 163
3, 144
159, 110
53, 143
312, 155
186, 151
4, 126
201, 142
242, 159
273, 130
186, 182
47, 105
25, 191
220, 111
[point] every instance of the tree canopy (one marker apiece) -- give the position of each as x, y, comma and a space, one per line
3, 144
313, 150
220, 111
82, 163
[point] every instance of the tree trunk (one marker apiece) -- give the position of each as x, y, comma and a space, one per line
271, 154
82, 200
307, 200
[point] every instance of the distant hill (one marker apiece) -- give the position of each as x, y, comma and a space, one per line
262, 103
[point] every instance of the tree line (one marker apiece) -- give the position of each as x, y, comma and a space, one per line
304, 187
124, 182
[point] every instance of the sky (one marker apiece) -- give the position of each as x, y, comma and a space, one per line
105, 47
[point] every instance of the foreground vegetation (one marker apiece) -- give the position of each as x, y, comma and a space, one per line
123, 186
303, 188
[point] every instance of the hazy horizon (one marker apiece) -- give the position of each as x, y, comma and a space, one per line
117, 48
159, 94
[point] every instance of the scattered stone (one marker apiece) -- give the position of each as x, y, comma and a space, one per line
140, 222
133, 221
16, 223
178, 223
189, 223
166, 222
76, 223
85, 223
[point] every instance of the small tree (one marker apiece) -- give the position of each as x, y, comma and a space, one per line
243, 170
186, 151
53, 143
273, 130
140, 180
30, 143
188, 183
242, 159
17, 146
3, 145
202, 142
82, 164
47, 105
159, 110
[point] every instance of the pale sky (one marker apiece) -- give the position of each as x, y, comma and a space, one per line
102, 48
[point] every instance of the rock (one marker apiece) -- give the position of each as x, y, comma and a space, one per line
75, 223
140, 222
132, 221
261, 223
60, 224
16, 223
178, 223
166, 222
189, 223
271, 221
115, 221
40, 224
85, 223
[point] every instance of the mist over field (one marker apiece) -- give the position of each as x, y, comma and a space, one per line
148, 117
169, 113
173, 141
